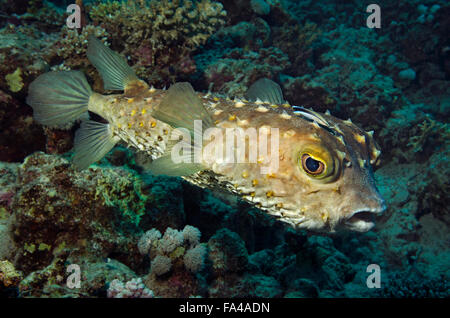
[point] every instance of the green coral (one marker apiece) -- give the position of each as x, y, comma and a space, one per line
123, 192
14, 80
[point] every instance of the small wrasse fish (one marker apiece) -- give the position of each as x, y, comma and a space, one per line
310, 170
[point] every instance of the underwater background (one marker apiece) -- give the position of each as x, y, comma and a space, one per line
132, 234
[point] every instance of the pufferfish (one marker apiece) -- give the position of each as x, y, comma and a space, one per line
323, 181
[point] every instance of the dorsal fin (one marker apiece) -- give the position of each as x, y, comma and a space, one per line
113, 68
266, 90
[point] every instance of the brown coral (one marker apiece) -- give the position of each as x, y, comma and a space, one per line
158, 35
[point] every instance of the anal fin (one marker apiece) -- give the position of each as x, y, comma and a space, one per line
93, 140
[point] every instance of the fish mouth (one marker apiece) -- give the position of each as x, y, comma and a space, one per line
363, 220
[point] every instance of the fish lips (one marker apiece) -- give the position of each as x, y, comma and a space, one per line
363, 220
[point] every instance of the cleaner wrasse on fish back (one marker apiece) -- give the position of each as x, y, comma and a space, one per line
317, 174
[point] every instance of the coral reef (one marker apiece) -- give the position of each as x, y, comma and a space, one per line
133, 234
175, 256
131, 289
159, 36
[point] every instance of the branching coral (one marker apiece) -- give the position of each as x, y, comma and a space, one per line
72, 46
158, 36
426, 130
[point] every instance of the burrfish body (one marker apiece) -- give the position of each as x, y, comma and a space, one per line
307, 169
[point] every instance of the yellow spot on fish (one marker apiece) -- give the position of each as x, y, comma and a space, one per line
141, 124
269, 194
262, 109
340, 154
376, 153
289, 133
238, 104
119, 126
260, 160
360, 138
255, 182
274, 106
252, 194
286, 105
243, 122
218, 112
130, 100
165, 131
216, 99
279, 205
232, 117
361, 162
130, 125
285, 115
133, 112
244, 174
153, 124
271, 175
324, 216
143, 111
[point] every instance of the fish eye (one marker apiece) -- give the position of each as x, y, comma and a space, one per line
312, 165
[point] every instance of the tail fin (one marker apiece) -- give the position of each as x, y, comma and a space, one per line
59, 98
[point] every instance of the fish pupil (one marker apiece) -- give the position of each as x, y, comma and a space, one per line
312, 165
